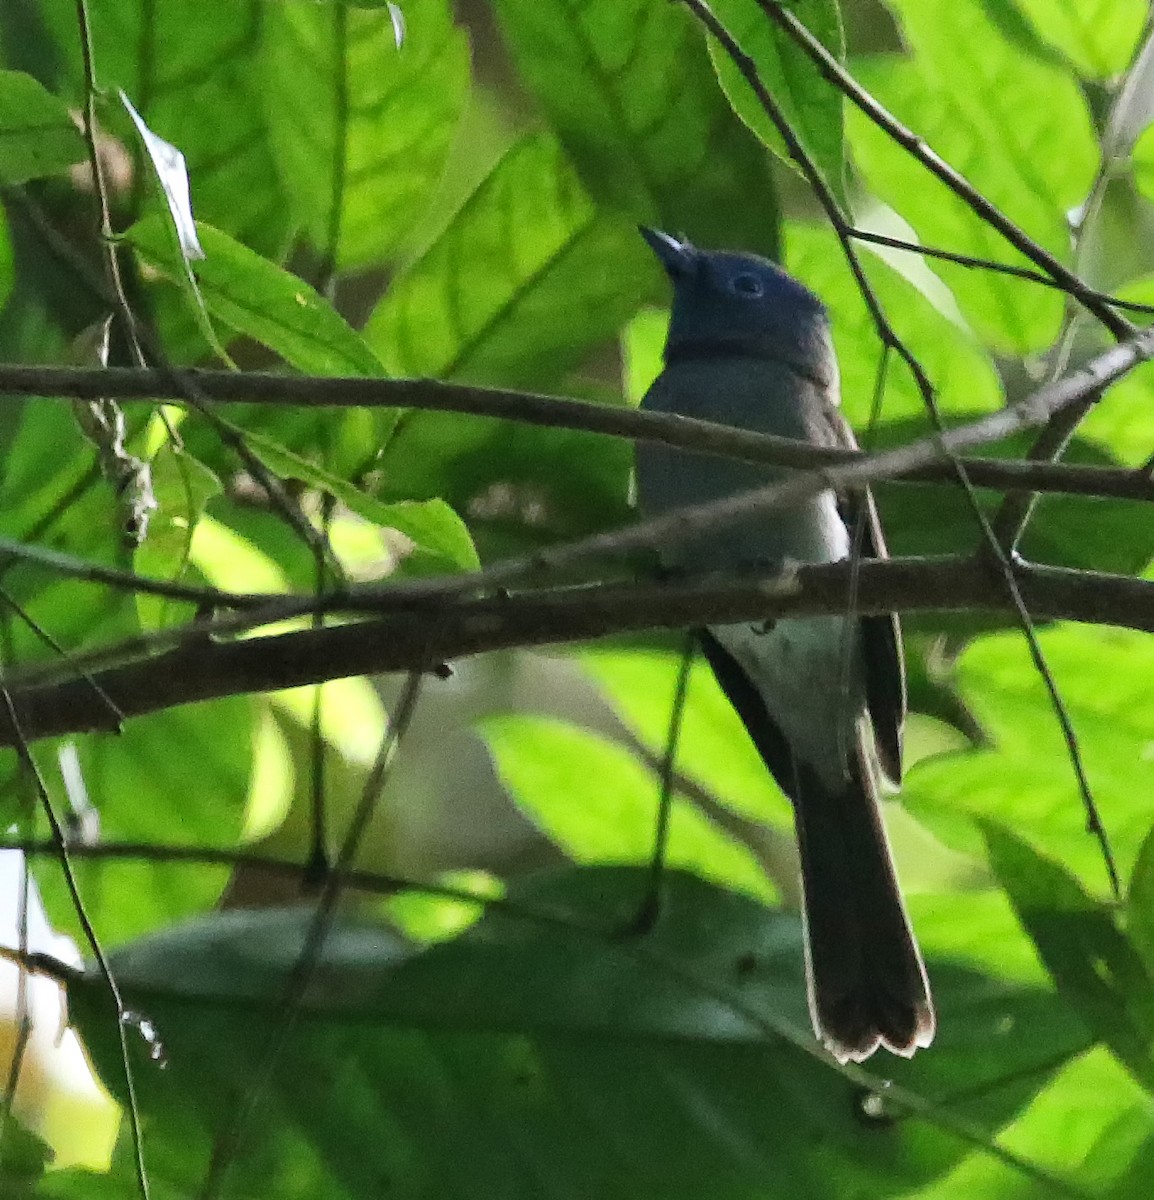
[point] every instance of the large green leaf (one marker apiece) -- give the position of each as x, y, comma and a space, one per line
713, 748
37, 135
434, 528
627, 87
254, 296
1017, 128
812, 109
554, 1055
1091, 1126
598, 802
527, 280
194, 83
1094, 964
1099, 36
177, 776
926, 319
528, 277
360, 127
1024, 779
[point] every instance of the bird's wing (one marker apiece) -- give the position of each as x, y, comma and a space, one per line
881, 635
770, 742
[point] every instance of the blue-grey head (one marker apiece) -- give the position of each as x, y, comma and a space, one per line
727, 304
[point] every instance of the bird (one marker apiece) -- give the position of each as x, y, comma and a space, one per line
823, 698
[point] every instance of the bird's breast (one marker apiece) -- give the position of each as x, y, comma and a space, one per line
761, 396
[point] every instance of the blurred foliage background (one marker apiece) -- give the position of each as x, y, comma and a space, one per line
452, 190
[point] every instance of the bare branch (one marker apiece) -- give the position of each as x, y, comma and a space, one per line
409, 640
704, 437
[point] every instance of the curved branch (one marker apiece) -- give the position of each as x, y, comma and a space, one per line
707, 437
403, 641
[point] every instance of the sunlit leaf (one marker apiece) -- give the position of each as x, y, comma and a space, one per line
599, 802
256, 297
1018, 129
810, 107
1024, 779
1094, 964
360, 127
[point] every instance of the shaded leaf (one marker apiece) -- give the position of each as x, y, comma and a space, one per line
256, 297
194, 83
1140, 903
1092, 961
527, 278
628, 89
183, 487
431, 524
37, 134
562, 1035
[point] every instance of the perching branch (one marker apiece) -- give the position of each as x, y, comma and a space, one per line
423, 640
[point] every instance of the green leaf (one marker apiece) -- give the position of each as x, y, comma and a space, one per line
713, 749
628, 89
23, 1160
522, 487
51, 493
1123, 419
598, 802
182, 770
431, 524
1024, 778
562, 1034
195, 85
527, 278
7, 261
37, 134
1087, 1127
1100, 37
1018, 129
810, 106
360, 129
1140, 903
1093, 963
256, 297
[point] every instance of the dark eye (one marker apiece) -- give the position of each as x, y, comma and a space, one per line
746, 285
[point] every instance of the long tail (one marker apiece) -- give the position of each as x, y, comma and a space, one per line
867, 983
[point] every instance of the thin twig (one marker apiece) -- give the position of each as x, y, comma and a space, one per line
651, 902
989, 264
706, 437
